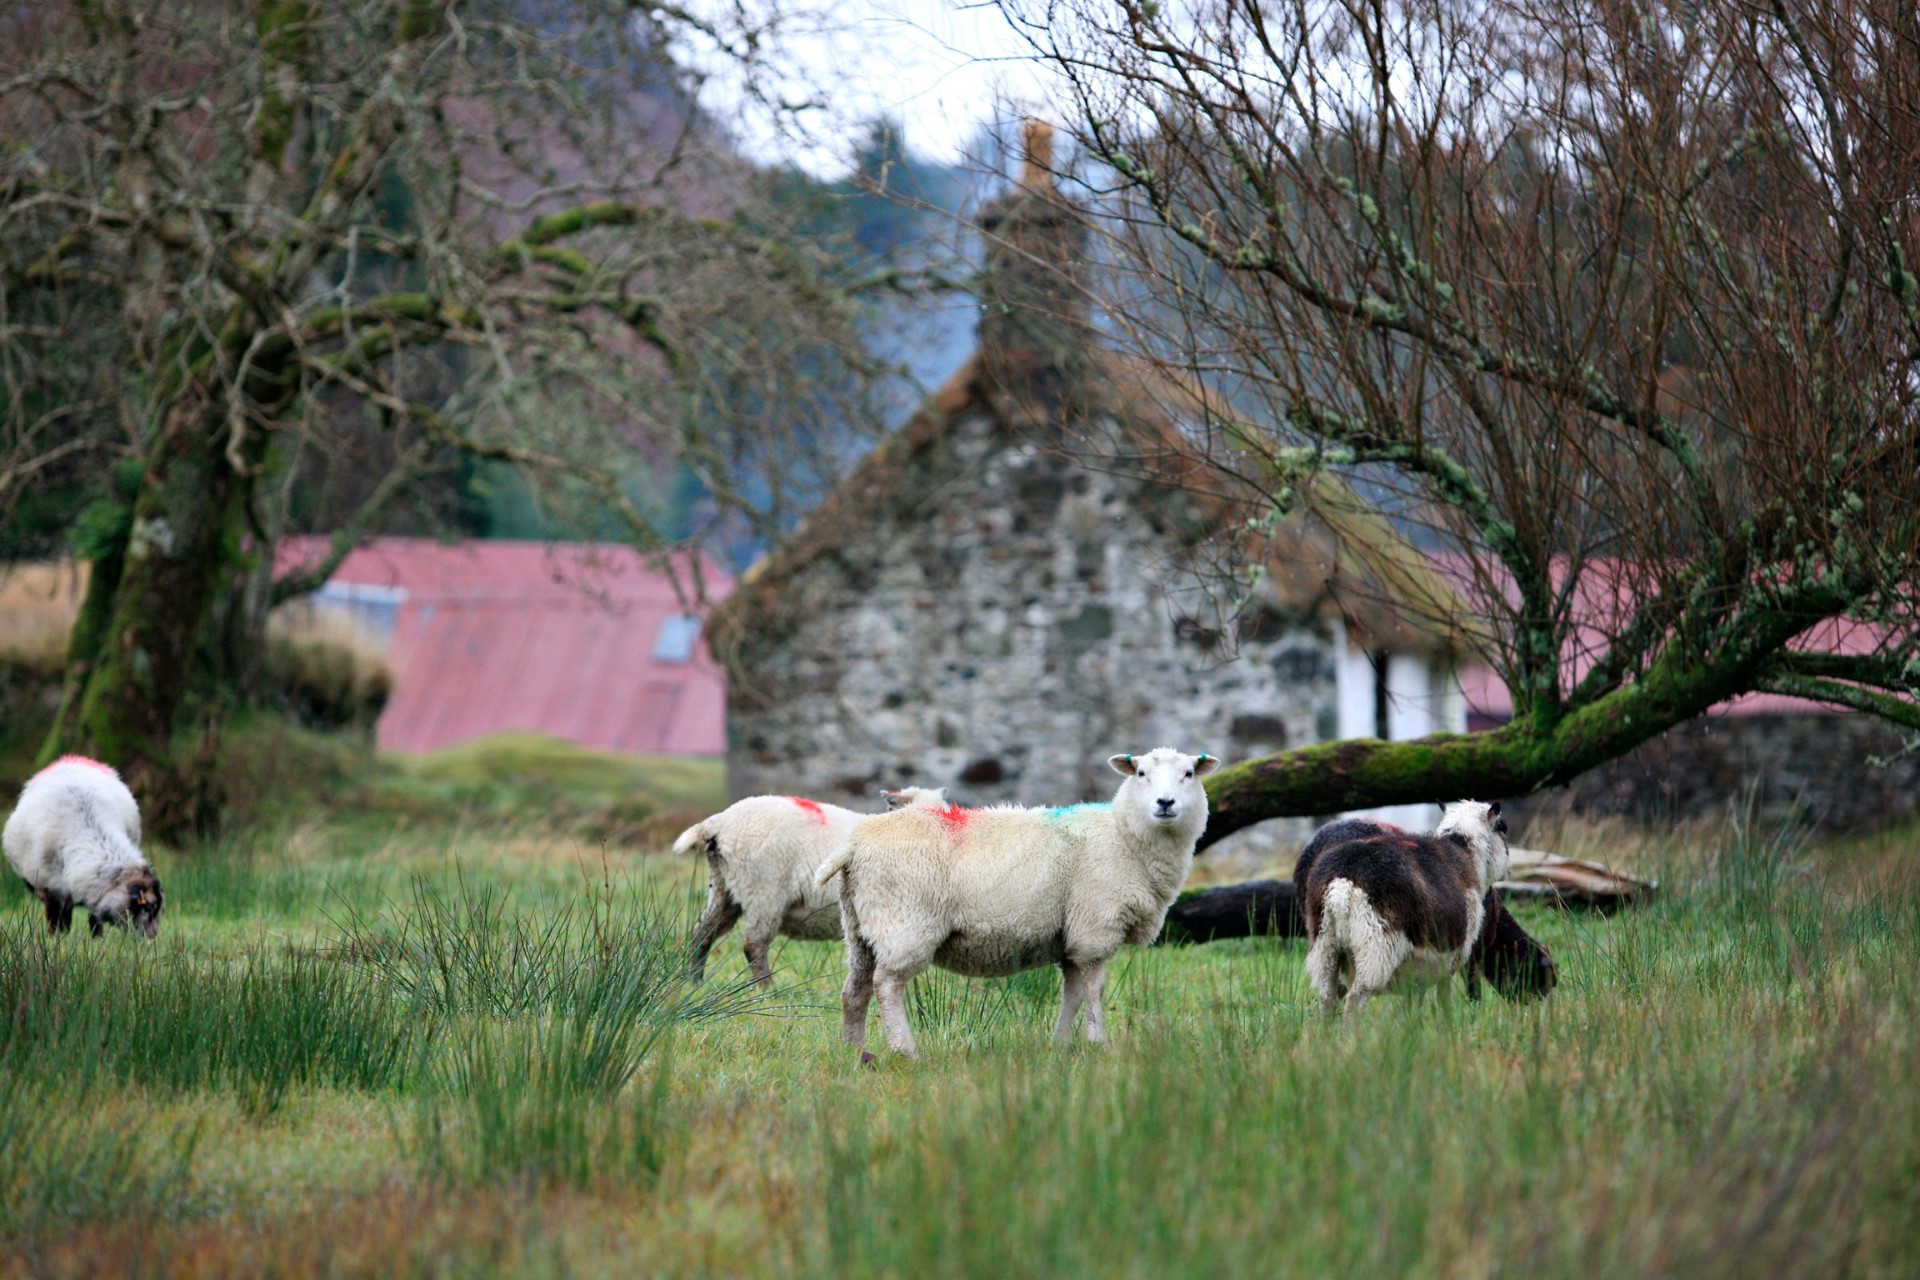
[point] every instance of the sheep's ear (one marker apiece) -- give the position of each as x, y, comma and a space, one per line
1205, 764
1124, 764
1493, 809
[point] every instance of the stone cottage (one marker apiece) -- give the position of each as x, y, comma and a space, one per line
1023, 580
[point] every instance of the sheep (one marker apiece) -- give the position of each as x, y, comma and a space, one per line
1504, 954
985, 892
75, 839
1509, 957
761, 853
1390, 910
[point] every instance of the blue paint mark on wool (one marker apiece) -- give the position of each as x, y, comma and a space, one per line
1066, 813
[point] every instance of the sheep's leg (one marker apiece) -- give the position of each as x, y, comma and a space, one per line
722, 914
1072, 988
891, 986
1094, 984
1324, 971
93, 923
857, 996
59, 912
759, 941
1375, 962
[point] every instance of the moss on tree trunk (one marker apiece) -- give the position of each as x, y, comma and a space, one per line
1523, 756
143, 619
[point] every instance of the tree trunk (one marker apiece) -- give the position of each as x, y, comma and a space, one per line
1514, 760
84, 644
130, 676
1258, 908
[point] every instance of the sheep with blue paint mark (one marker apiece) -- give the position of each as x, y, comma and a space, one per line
761, 854
985, 892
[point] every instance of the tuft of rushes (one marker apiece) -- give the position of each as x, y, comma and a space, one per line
542, 1105
608, 957
162, 1016
552, 1017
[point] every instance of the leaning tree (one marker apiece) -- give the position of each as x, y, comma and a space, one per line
238, 238
1614, 301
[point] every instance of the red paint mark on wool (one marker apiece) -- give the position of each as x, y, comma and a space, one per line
84, 762
811, 808
954, 816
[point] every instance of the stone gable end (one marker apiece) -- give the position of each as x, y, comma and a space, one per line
1000, 621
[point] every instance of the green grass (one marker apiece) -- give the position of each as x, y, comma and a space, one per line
386, 1047
532, 775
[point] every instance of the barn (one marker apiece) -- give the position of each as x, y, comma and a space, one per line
589, 642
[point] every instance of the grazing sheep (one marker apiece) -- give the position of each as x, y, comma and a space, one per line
985, 892
1509, 957
761, 853
1504, 954
1390, 910
75, 839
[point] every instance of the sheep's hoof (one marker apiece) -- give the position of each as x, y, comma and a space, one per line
868, 1061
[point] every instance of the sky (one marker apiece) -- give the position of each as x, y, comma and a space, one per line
938, 67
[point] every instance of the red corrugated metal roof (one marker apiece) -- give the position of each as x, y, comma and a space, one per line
553, 637
1604, 600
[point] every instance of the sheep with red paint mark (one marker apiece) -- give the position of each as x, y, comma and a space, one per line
74, 838
985, 892
1388, 910
761, 853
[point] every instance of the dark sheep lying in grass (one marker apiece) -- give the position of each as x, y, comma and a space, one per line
1388, 910
75, 839
1509, 957
1504, 954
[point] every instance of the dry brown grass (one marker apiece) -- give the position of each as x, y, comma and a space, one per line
323, 657
38, 603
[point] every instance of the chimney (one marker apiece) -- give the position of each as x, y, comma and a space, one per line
1033, 322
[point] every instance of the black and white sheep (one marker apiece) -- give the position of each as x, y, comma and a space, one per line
1389, 910
761, 855
74, 838
1504, 954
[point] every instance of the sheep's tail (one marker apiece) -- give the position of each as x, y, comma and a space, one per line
1337, 913
835, 864
694, 837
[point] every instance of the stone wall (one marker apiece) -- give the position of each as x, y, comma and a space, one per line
1816, 767
1001, 629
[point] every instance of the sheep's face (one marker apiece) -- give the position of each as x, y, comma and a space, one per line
1165, 783
1481, 828
134, 900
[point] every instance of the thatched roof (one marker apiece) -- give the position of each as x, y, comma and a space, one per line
1336, 556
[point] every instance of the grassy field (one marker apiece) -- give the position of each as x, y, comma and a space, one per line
371, 1047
